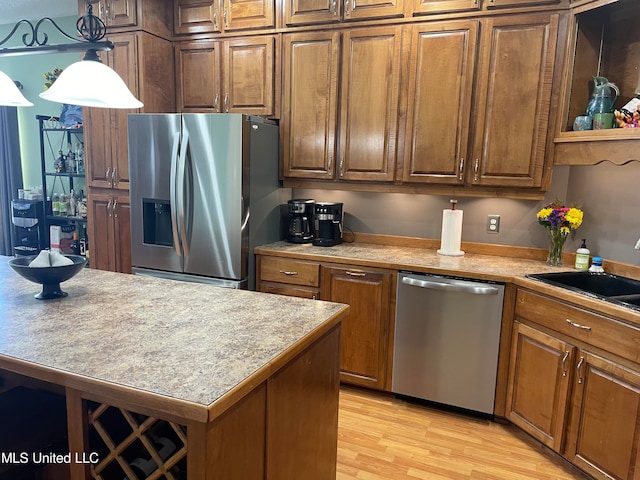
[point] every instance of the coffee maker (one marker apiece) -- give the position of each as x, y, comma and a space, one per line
300, 220
328, 219
27, 217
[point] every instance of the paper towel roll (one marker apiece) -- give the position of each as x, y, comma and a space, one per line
451, 233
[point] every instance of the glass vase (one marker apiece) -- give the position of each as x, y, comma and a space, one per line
556, 244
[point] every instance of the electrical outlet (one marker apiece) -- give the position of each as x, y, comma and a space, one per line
493, 223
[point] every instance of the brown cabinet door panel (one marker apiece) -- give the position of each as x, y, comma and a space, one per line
300, 12
196, 16
198, 66
538, 389
363, 9
249, 75
513, 99
604, 435
246, 14
97, 123
309, 104
363, 354
121, 13
122, 234
439, 6
369, 103
100, 232
439, 109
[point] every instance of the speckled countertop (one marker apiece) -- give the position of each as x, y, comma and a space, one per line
184, 341
483, 267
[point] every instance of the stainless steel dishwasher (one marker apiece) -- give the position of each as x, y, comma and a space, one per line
447, 337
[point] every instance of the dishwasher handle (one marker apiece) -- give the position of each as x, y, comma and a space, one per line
453, 285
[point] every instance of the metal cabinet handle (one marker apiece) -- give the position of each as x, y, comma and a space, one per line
109, 211
461, 170
341, 166
215, 102
226, 103
564, 363
334, 10
356, 274
224, 17
113, 177
288, 272
346, 7
215, 20
107, 174
577, 325
115, 209
579, 369
329, 163
476, 167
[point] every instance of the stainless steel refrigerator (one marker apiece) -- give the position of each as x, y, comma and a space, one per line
204, 192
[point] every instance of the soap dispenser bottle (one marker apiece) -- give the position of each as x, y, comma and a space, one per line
582, 257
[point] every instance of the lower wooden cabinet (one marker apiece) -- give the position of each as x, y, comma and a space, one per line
604, 427
366, 339
539, 384
109, 223
584, 405
365, 332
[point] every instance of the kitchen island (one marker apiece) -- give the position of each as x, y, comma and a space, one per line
238, 384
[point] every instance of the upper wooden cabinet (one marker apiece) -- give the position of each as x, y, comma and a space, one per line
498, 140
214, 16
310, 103
513, 100
152, 16
226, 76
301, 12
142, 61
438, 6
370, 76
604, 40
441, 73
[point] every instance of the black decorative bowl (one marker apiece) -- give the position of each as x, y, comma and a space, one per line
49, 277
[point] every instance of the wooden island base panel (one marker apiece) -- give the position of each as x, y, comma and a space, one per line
166, 380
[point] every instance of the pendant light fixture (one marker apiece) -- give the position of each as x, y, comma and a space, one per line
10, 94
88, 82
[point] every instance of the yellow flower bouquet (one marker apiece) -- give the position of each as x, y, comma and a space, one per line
559, 221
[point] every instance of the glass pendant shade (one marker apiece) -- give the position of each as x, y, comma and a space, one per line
90, 83
10, 96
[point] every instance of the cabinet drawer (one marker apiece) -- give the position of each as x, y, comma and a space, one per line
290, 290
285, 270
598, 330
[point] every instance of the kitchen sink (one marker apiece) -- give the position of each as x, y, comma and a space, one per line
611, 288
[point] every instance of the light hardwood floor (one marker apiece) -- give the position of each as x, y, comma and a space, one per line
384, 438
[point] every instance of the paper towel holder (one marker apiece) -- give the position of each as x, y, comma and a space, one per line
451, 232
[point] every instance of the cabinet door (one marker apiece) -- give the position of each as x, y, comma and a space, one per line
440, 81
363, 9
198, 67
121, 13
369, 103
300, 12
310, 104
539, 380
98, 146
438, 6
518, 3
248, 14
121, 214
248, 77
196, 16
604, 433
124, 60
515, 76
100, 224
365, 332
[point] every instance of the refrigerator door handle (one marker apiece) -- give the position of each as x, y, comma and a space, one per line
181, 173
173, 192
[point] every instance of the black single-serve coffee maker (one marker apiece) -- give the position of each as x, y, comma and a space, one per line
327, 221
300, 220
27, 217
